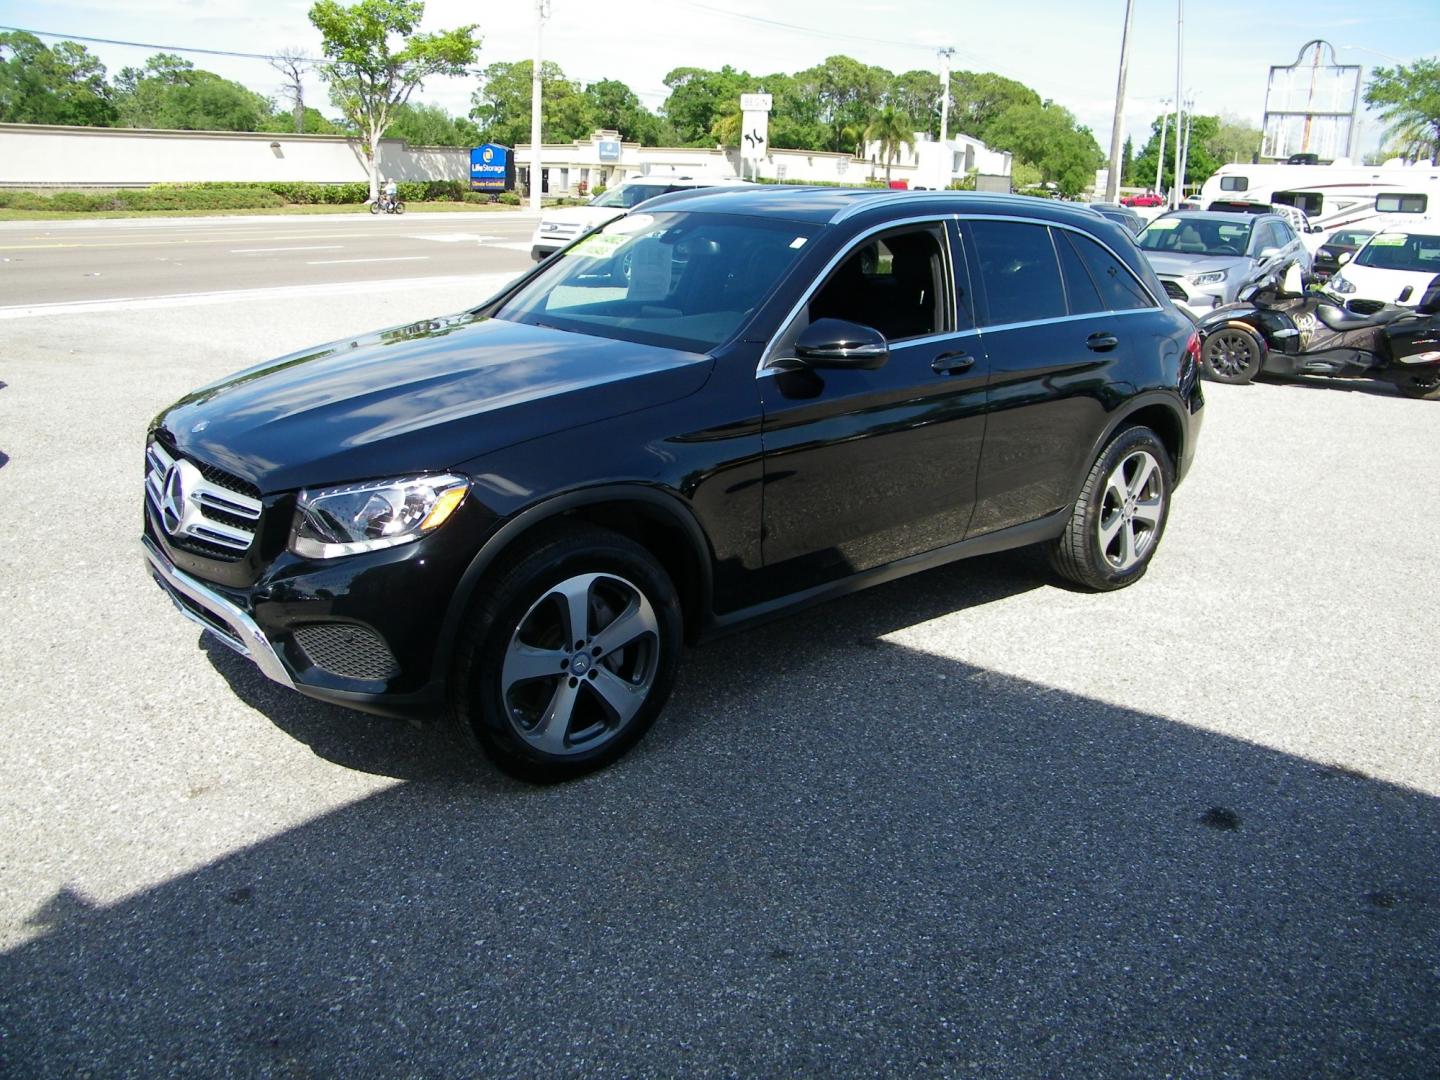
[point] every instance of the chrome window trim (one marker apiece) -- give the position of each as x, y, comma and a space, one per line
1064, 319
940, 220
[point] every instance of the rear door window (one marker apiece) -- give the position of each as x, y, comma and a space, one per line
1018, 272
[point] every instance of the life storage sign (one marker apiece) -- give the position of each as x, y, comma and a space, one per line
492, 168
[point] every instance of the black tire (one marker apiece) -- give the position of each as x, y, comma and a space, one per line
1082, 554
502, 697
375, 206
1425, 388
1232, 355
398, 207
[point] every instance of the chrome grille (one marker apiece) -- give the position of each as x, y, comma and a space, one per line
202, 508
562, 228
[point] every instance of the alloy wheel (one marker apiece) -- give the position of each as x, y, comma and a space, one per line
1130, 510
580, 664
1231, 354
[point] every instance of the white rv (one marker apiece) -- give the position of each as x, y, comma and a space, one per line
1332, 195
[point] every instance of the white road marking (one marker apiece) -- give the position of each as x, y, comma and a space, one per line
309, 247
388, 258
513, 245
454, 237
485, 285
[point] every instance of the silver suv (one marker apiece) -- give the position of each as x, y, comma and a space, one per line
1205, 257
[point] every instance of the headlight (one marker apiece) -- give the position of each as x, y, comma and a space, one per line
330, 522
1340, 285
1209, 278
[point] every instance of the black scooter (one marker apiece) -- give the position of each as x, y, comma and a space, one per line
1278, 328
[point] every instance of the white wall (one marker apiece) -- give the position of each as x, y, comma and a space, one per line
34, 155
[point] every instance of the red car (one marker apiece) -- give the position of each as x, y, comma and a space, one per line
1148, 198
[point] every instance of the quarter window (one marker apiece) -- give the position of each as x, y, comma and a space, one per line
1080, 290
1118, 287
1018, 270
1234, 183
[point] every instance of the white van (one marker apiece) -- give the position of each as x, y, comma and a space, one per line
558, 227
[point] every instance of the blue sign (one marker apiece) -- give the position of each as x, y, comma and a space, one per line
491, 168
609, 149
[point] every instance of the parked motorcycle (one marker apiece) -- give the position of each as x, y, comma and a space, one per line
1280, 329
386, 205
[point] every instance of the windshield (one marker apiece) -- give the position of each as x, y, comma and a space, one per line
679, 280
628, 195
1350, 237
1195, 236
1402, 251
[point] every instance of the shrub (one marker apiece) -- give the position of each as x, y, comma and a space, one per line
509, 198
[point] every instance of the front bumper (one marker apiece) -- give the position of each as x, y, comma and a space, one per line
204, 606
1199, 300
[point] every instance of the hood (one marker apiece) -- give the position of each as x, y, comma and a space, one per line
419, 398
1180, 265
591, 217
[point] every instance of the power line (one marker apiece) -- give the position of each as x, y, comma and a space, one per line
162, 48
811, 30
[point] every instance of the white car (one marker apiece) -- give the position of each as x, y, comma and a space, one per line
558, 227
1395, 266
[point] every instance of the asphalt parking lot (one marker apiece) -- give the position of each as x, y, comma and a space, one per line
971, 823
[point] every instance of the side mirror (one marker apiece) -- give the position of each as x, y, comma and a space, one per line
1315, 229
1344, 257
835, 343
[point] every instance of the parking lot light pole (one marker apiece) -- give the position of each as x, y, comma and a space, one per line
1175, 192
542, 12
1112, 182
1160, 157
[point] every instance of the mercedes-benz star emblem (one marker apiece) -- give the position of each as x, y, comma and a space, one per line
172, 501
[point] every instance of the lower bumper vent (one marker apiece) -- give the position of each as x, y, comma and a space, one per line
347, 650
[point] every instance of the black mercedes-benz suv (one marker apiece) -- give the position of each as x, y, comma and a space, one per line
720, 407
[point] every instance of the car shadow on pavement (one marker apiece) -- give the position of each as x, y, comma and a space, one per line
842, 857
395, 748
1369, 387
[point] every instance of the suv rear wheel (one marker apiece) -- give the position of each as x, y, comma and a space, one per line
570, 657
1118, 519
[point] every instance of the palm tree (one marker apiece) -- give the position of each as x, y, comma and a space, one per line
891, 129
725, 128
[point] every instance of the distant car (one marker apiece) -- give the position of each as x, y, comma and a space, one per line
1204, 258
1395, 266
563, 225
1145, 198
1120, 214
1340, 242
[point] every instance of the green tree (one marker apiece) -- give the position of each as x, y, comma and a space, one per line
312, 122
613, 105
698, 96
169, 92
501, 107
1408, 97
849, 94
1234, 140
1047, 137
1127, 159
917, 95
40, 85
1200, 163
979, 98
430, 125
369, 76
795, 122
891, 129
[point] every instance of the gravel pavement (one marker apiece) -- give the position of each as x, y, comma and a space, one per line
967, 824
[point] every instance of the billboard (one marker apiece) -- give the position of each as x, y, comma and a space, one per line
492, 168
1310, 106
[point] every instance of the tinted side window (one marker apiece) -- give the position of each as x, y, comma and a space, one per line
1234, 183
1118, 287
1018, 271
1080, 290
891, 283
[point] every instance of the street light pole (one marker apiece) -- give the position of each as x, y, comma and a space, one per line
542, 12
1160, 157
1175, 192
1112, 182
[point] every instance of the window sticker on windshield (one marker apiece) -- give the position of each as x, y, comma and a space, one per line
798, 242
631, 223
599, 246
1390, 240
650, 266
1162, 224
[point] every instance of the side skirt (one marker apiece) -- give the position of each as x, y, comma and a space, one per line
1031, 532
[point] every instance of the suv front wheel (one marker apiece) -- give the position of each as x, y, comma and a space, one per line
1117, 521
570, 656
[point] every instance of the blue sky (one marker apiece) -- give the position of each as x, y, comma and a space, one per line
1068, 51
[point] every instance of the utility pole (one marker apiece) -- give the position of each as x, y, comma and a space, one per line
1175, 193
542, 12
1112, 183
1185, 150
1160, 157
946, 172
